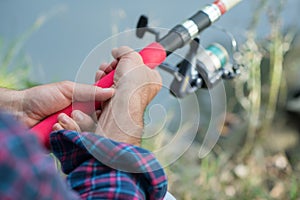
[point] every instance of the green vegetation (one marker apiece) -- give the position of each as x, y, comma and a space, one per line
252, 161
15, 66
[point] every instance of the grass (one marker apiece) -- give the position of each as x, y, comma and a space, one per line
14, 65
252, 170
15, 68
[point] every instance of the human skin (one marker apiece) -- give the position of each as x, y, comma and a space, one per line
34, 104
121, 117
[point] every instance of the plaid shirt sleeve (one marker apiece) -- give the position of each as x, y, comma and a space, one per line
26, 171
100, 168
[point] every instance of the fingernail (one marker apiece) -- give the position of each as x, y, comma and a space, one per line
100, 72
63, 119
108, 90
77, 116
55, 127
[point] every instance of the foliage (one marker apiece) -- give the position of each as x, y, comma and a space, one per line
252, 166
15, 68
253, 169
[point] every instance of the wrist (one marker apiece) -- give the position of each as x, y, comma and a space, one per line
11, 101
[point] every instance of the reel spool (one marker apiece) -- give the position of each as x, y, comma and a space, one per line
201, 67
210, 64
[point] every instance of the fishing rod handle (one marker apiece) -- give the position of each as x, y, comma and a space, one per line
152, 55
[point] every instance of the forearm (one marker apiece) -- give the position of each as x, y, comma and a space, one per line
11, 101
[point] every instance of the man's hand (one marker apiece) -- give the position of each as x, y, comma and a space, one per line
136, 85
34, 104
122, 116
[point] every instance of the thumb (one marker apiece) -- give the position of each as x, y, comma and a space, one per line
84, 92
127, 55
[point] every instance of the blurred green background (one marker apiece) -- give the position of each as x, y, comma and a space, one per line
258, 153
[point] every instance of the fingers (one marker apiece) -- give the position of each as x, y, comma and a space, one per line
98, 112
84, 121
124, 56
78, 121
57, 127
84, 92
104, 69
121, 51
99, 75
67, 123
101, 71
109, 67
128, 55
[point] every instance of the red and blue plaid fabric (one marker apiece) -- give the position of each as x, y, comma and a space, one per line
104, 169
26, 170
96, 167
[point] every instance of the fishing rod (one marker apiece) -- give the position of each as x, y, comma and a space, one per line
154, 55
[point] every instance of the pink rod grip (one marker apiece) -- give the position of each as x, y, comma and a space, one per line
153, 55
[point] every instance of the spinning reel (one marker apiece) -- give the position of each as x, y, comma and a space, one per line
201, 67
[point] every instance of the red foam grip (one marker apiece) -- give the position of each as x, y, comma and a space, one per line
153, 55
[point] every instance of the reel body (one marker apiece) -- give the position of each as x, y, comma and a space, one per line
201, 67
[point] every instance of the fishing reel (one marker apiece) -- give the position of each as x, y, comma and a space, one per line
201, 67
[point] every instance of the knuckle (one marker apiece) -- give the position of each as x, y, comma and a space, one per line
125, 49
66, 83
136, 57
